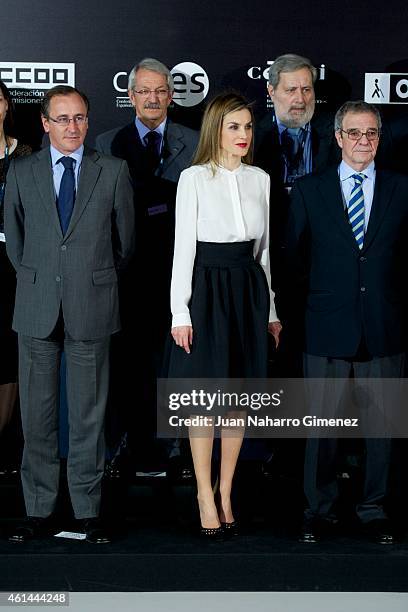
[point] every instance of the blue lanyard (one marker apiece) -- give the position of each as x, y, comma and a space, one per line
3, 184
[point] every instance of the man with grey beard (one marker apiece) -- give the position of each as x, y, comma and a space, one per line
290, 142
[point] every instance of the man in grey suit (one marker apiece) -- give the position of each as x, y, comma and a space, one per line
69, 225
157, 150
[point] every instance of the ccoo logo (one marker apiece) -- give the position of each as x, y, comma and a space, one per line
29, 75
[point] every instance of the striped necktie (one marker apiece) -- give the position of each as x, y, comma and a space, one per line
355, 209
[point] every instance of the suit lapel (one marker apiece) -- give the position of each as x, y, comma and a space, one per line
325, 151
320, 146
329, 187
276, 146
269, 151
44, 181
131, 147
173, 144
384, 187
88, 177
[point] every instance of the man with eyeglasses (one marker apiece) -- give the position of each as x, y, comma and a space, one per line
157, 150
348, 233
69, 222
291, 141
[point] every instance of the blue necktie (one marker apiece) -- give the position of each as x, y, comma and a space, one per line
355, 209
293, 141
66, 196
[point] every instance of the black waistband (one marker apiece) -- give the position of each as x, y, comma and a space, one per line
224, 254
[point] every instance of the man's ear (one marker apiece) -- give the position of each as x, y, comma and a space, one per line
131, 95
339, 138
46, 123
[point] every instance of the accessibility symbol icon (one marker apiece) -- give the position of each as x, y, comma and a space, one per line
377, 87
386, 87
377, 90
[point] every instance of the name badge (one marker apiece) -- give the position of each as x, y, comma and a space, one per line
157, 210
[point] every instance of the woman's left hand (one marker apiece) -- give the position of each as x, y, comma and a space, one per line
275, 329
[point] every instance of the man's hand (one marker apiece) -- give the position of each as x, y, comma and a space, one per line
275, 329
183, 336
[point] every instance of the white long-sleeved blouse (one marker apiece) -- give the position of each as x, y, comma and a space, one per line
230, 206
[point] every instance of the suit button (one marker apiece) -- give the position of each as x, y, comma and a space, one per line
58, 279
64, 247
363, 258
362, 289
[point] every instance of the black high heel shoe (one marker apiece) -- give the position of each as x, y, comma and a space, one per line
215, 534
230, 529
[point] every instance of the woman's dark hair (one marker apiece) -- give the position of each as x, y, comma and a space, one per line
8, 125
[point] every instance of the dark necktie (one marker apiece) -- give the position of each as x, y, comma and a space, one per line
152, 141
292, 140
66, 196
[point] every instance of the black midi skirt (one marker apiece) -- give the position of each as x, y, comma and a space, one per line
229, 309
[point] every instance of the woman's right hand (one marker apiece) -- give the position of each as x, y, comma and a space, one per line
183, 336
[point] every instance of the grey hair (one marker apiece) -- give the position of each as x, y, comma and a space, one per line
149, 63
357, 106
289, 63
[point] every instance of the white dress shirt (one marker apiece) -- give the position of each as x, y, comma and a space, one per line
230, 206
347, 186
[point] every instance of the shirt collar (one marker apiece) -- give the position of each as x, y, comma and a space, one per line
346, 171
282, 127
77, 155
143, 129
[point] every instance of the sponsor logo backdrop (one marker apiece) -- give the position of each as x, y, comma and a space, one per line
209, 47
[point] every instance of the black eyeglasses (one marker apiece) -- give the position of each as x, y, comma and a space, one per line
356, 134
64, 120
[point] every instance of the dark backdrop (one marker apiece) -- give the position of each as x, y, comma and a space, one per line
225, 38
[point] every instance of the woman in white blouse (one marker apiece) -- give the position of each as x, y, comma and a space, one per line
221, 299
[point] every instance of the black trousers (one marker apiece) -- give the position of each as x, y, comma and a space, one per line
320, 484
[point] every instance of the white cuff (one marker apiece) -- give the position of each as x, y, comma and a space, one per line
273, 317
181, 319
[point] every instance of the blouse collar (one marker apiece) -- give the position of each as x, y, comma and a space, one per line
237, 170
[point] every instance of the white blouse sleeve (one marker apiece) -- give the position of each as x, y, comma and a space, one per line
184, 248
261, 252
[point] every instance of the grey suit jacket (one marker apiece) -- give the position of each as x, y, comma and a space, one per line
77, 271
